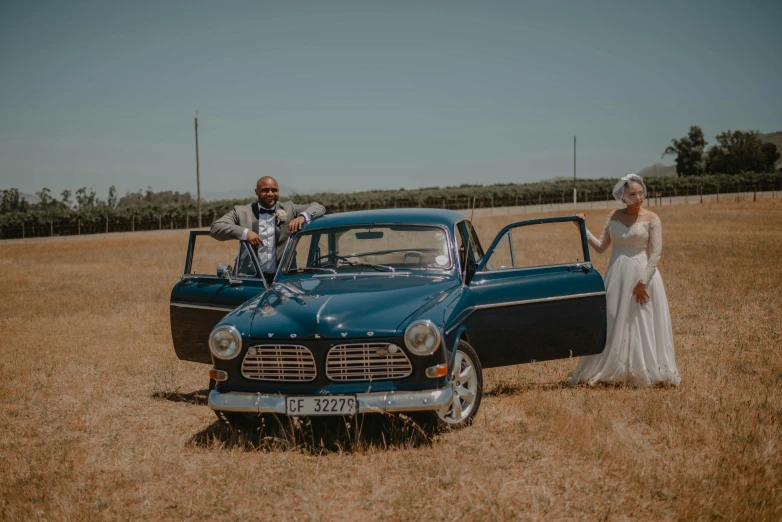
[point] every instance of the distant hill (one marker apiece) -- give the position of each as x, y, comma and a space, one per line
31, 198
242, 193
658, 170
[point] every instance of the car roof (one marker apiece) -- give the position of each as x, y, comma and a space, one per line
405, 216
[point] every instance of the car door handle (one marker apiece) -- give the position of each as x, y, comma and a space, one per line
583, 267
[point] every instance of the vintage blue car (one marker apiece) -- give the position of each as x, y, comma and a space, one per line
385, 311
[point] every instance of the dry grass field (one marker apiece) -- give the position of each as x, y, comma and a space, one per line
103, 422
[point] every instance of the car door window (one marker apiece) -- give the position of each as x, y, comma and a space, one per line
208, 253
469, 249
244, 265
462, 242
535, 245
475, 242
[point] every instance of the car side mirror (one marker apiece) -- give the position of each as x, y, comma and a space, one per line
224, 272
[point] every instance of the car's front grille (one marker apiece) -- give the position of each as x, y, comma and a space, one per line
288, 363
367, 362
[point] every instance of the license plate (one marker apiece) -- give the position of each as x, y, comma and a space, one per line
328, 405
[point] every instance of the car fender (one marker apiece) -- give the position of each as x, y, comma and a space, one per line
451, 354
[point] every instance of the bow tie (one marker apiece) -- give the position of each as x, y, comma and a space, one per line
264, 210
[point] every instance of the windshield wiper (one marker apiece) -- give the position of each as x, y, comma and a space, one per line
314, 269
380, 268
350, 262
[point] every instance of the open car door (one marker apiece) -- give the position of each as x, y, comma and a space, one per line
216, 280
536, 296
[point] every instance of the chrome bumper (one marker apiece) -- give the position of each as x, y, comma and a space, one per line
376, 402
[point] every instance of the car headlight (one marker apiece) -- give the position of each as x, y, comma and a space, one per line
225, 342
422, 337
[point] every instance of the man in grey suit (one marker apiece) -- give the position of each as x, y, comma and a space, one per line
266, 224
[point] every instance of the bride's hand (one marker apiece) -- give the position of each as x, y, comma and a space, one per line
581, 217
640, 293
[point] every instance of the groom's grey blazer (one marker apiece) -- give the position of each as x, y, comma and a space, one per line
231, 225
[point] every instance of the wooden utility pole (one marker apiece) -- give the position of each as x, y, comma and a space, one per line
575, 193
198, 172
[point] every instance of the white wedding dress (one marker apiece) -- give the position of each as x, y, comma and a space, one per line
639, 340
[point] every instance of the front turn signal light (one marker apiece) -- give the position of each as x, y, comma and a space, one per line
218, 375
441, 370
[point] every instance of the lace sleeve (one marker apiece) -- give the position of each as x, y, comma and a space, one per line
655, 249
600, 244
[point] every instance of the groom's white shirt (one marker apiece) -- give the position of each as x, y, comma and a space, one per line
267, 250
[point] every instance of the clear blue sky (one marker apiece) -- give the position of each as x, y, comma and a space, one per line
351, 96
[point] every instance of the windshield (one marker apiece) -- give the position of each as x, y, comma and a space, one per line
384, 248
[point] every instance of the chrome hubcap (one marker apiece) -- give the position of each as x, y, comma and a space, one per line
464, 383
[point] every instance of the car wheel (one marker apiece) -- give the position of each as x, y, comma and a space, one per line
467, 384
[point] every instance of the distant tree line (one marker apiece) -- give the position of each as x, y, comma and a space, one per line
738, 161
735, 152
83, 208
82, 212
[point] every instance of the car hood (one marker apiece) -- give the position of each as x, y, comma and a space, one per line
345, 307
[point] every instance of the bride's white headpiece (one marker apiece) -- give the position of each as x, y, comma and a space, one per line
624, 182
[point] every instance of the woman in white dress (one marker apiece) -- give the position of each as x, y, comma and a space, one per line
639, 340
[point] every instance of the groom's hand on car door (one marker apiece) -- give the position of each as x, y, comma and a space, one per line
254, 239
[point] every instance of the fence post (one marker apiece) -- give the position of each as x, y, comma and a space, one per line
79, 229
22, 229
160, 222
718, 191
51, 227
700, 190
754, 192
132, 223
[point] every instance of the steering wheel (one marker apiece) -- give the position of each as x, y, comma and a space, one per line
414, 253
336, 257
